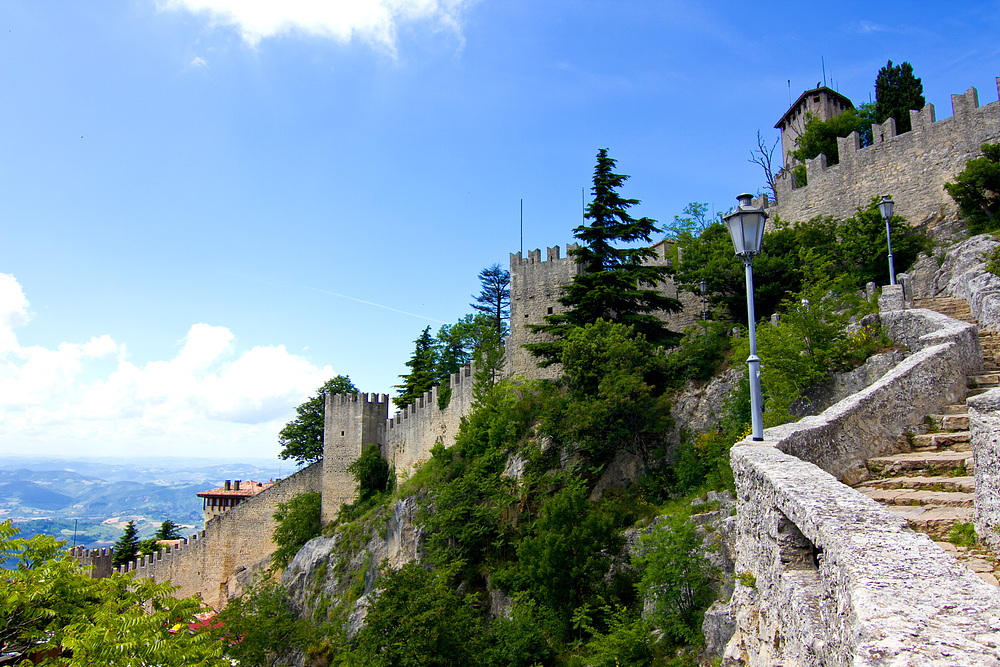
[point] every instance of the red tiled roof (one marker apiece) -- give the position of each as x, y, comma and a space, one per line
247, 488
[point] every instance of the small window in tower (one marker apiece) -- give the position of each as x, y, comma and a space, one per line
816, 98
341, 433
550, 310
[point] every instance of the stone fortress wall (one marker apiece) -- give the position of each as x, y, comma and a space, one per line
219, 561
911, 167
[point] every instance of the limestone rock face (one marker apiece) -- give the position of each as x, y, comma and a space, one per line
699, 407
820, 396
327, 569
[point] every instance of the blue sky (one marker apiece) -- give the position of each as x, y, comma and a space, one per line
209, 207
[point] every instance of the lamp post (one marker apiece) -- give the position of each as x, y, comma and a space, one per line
746, 228
885, 208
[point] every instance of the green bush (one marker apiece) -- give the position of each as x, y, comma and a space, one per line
298, 522
977, 190
676, 577
371, 473
264, 624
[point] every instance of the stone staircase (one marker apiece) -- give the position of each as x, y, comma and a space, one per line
931, 482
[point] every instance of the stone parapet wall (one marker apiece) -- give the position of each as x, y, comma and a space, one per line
828, 577
912, 167
868, 423
208, 563
97, 561
984, 424
411, 433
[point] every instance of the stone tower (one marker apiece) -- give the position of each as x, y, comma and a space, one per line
351, 422
821, 103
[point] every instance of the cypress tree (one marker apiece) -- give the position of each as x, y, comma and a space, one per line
896, 92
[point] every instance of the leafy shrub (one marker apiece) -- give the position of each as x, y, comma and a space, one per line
418, 620
626, 641
298, 522
977, 190
519, 641
371, 473
260, 623
676, 578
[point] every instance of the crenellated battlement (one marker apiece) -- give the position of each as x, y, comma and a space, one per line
535, 256
911, 167
337, 400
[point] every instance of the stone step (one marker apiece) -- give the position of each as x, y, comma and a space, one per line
934, 521
955, 409
911, 497
958, 441
984, 380
964, 483
976, 391
945, 422
898, 464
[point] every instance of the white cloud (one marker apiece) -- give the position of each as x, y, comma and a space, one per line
198, 61
868, 26
210, 399
373, 21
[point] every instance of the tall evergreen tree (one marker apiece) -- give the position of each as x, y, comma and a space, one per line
616, 283
423, 371
168, 530
494, 296
302, 438
127, 546
896, 92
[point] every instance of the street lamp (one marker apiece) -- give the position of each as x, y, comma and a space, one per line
746, 228
703, 286
885, 208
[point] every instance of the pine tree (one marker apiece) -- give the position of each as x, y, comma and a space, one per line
168, 530
127, 546
494, 296
423, 371
616, 284
896, 92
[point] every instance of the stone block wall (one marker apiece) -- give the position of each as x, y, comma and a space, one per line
208, 564
411, 433
351, 422
912, 167
98, 561
984, 423
828, 577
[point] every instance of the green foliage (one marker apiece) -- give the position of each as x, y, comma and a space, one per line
993, 261
615, 283
298, 521
676, 577
48, 603
703, 462
977, 190
862, 249
820, 136
567, 554
148, 547
699, 355
260, 624
896, 92
810, 339
626, 641
420, 620
963, 535
168, 530
692, 221
612, 404
127, 546
518, 641
371, 473
423, 371
302, 438
494, 297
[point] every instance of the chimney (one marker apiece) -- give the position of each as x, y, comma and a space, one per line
229, 485
237, 485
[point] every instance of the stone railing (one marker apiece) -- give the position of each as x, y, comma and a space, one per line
984, 423
829, 577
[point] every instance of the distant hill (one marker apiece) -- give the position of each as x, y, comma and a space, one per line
90, 500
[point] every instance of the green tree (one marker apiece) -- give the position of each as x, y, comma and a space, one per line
423, 373
692, 221
298, 522
494, 296
616, 283
168, 530
264, 623
977, 190
47, 602
820, 136
676, 577
127, 546
302, 438
371, 473
896, 92
148, 547
419, 619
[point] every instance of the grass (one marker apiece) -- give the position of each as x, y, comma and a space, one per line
963, 535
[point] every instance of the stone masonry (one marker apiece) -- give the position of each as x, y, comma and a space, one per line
911, 167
